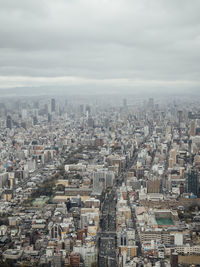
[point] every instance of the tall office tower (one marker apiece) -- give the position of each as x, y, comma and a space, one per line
180, 116
53, 105
192, 128
9, 122
49, 117
35, 120
193, 182
88, 109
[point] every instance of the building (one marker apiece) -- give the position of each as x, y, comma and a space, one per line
90, 258
192, 128
174, 259
7, 195
53, 105
9, 122
75, 259
122, 238
157, 234
3, 179
172, 158
193, 182
55, 231
154, 186
102, 180
130, 251
11, 254
57, 260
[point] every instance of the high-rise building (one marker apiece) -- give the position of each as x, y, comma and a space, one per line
88, 109
174, 259
49, 117
180, 116
173, 154
35, 120
81, 109
192, 128
90, 258
53, 105
110, 176
193, 182
75, 259
102, 180
57, 260
181, 187
171, 163
84, 221
98, 181
172, 158
9, 122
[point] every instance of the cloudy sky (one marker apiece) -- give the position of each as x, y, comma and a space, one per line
132, 44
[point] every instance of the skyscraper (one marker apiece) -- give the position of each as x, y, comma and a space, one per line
193, 182
9, 122
192, 128
174, 259
53, 105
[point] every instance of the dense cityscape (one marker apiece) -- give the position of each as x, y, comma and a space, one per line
99, 133
96, 181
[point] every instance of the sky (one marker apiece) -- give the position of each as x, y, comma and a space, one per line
116, 45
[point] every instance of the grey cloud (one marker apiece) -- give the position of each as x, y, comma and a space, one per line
107, 39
